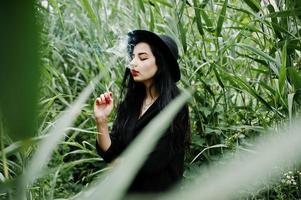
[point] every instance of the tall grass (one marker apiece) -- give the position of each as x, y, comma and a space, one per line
242, 58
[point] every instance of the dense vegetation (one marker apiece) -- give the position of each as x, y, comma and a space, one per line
240, 59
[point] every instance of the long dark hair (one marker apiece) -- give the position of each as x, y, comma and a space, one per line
133, 94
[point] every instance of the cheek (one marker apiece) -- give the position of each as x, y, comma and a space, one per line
152, 69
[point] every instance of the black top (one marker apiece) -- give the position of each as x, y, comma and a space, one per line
165, 164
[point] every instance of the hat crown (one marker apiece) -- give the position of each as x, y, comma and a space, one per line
171, 44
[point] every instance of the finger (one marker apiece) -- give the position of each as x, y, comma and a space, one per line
98, 101
103, 99
108, 98
110, 94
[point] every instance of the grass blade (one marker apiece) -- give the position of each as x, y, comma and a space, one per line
152, 21
198, 17
209, 24
19, 69
57, 8
290, 102
282, 75
86, 4
210, 147
244, 85
164, 2
295, 77
274, 22
286, 13
141, 5
263, 55
181, 26
253, 4
221, 19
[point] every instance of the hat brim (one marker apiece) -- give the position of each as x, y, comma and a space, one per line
153, 38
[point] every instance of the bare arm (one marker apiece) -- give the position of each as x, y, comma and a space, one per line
103, 137
103, 106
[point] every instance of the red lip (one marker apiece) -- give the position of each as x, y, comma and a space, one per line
134, 72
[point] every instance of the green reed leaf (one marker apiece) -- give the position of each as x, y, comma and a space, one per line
295, 77
263, 55
274, 22
19, 70
198, 17
57, 8
285, 13
152, 20
141, 5
282, 75
221, 18
88, 8
253, 4
209, 24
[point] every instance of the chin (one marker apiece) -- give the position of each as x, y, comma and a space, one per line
136, 79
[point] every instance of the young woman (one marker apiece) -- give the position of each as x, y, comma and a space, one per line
148, 86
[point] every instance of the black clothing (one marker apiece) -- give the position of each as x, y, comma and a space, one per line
165, 164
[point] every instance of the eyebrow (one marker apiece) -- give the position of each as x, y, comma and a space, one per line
141, 53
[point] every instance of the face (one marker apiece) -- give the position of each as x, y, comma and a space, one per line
143, 63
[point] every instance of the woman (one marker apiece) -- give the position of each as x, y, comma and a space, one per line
148, 86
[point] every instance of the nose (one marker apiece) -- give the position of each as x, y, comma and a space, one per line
133, 63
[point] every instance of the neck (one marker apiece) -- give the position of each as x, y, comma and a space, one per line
151, 92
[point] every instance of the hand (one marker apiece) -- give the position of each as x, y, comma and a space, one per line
103, 106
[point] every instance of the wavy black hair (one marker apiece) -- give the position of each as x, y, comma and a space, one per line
133, 94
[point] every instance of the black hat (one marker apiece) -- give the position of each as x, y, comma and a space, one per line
165, 43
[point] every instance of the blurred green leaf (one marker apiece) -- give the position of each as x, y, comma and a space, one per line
253, 4
198, 17
263, 55
204, 3
286, 13
282, 75
17, 147
244, 85
57, 8
207, 20
295, 77
274, 22
19, 69
141, 5
290, 101
182, 28
163, 2
152, 21
210, 147
292, 44
221, 18
218, 77
88, 8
